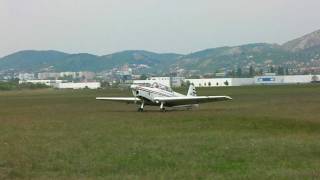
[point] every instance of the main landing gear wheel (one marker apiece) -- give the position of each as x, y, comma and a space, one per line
140, 110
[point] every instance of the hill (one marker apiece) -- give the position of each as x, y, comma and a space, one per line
157, 62
301, 50
40, 60
31, 60
295, 52
231, 57
305, 42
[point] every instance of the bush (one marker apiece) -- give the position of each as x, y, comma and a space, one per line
14, 85
6, 86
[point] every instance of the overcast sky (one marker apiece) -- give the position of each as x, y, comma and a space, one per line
182, 26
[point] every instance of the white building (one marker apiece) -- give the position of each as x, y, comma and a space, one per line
268, 79
48, 75
292, 79
87, 75
242, 81
218, 82
161, 80
46, 82
297, 79
68, 74
263, 80
212, 82
221, 82
54, 75
26, 76
71, 85
176, 81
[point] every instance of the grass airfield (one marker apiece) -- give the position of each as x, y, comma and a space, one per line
266, 132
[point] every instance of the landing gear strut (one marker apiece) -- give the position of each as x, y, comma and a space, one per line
162, 108
140, 109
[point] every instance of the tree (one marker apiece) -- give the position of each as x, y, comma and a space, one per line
143, 77
186, 84
194, 77
239, 72
208, 75
105, 84
272, 69
280, 70
232, 73
251, 71
287, 71
315, 78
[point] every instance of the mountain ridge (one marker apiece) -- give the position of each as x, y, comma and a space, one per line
307, 41
301, 49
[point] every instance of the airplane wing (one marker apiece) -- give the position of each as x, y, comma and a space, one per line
120, 99
173, 101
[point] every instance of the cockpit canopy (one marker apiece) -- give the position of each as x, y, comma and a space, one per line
161, 86
157, 85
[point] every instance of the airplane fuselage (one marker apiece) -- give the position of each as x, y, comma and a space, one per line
148, 94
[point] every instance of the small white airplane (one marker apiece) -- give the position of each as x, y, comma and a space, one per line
163, 96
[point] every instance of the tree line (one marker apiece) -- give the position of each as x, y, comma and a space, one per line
14, 85
239, 72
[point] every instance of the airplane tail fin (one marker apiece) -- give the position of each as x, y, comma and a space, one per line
192, 91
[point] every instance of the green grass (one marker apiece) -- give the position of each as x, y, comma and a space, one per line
266, 132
